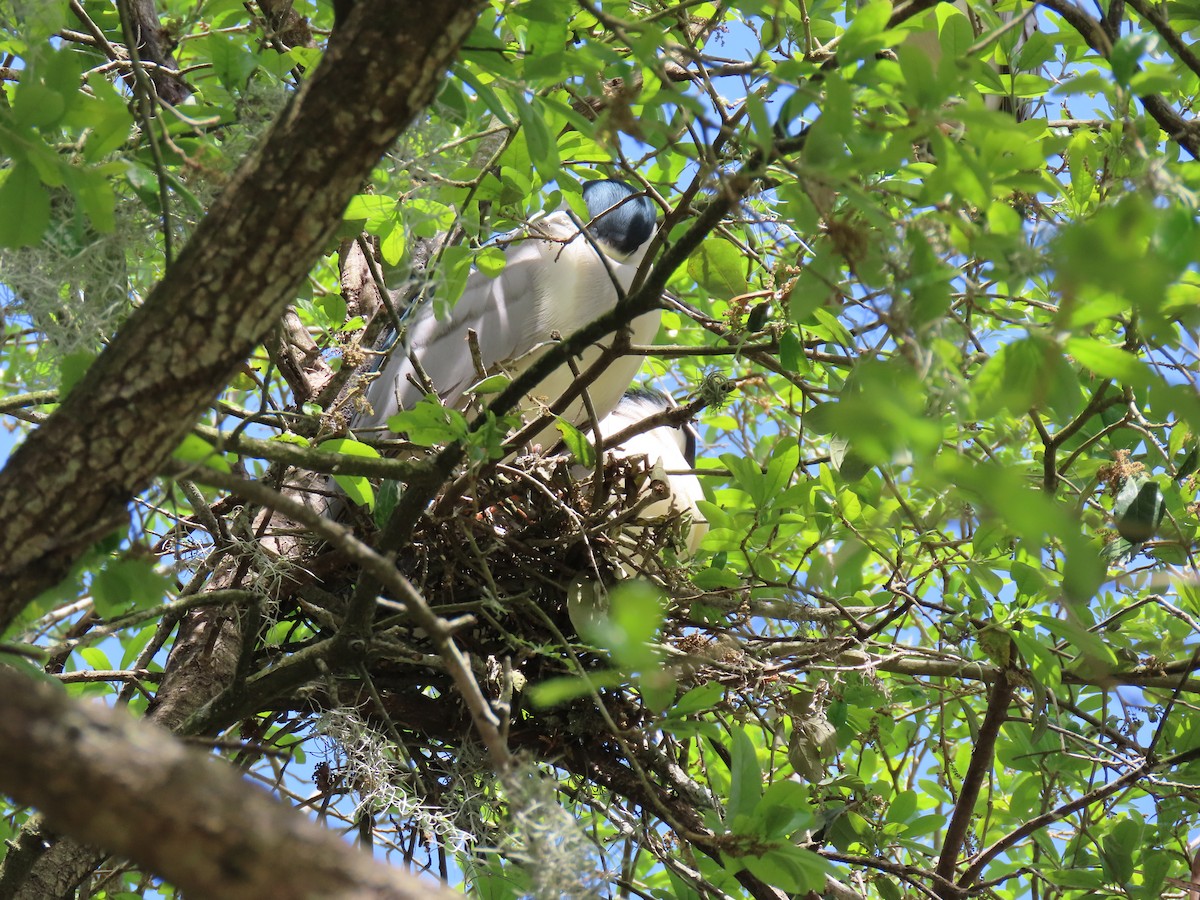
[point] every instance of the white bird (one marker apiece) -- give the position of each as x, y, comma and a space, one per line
669, 448
554, 282
670, 453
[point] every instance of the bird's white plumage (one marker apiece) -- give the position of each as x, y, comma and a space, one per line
664, 446
665, 449
553, 281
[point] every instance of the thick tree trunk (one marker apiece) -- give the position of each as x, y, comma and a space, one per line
68, 485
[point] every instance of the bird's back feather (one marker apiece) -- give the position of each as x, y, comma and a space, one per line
553, 282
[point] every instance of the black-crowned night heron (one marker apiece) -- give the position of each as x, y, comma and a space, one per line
669, 451
557, 278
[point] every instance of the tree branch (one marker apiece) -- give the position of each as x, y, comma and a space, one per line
977, 771
1092, 30
133, 789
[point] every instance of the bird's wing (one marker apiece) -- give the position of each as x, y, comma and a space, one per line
497, 309
553, 282
578, 287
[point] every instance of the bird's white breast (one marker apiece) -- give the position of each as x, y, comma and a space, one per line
662, 446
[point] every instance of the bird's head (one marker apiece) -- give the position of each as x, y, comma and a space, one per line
620, 228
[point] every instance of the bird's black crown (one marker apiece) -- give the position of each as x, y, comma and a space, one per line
626, 227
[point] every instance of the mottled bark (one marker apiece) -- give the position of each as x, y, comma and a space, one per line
155, 44
299, 359
202, 664
289, 26
99, 774
68, 484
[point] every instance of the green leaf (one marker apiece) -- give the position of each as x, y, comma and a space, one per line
554, 691
698, 699
73, 367
196, 449
1015, 377
94, 193
866, 36
128, 582
635, 617
546, 39
794, 870
1138, 509
493, 384
845, 461
658, 688
22, 191
919, 76
1126, 53
290, 437
429, 423
386, 499
719, 268
108, 119
231, 60
1117, 251
1189, 463
357, 487
36, 105
373, 209
490, 98
95, 657
543, 149
1080, 879
1156, 865
832, 327
780, 468
1108, 361
1117, 849
1092, 647
903, 807
784, 809
490, 261
334, 308
791, 351
1084, 570
812, 746
577, 442
745, 786
456, 269
393, 242
349, 447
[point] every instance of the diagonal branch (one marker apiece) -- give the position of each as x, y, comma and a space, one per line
137, 791
1185, 133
